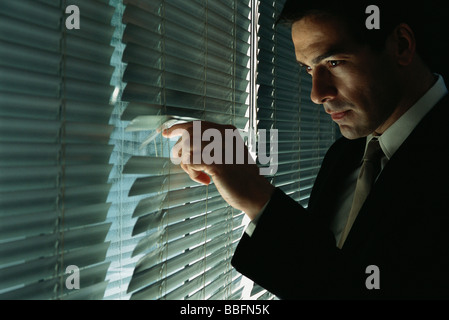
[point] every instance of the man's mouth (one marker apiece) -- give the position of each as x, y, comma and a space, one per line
338, 115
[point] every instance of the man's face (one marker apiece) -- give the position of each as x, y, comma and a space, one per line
357, 86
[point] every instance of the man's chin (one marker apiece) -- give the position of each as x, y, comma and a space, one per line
351, 133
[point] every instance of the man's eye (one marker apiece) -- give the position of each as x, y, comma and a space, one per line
306, 68
334, 63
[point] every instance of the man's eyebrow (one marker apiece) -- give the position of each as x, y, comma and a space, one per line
329, 53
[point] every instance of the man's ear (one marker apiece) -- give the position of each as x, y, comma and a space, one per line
402, 44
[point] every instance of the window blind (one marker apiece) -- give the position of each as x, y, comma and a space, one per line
79, 186
54, 152
305, 131
184, 59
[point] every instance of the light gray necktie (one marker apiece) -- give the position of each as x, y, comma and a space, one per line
367, 176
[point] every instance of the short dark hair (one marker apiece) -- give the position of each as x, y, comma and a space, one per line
428, 19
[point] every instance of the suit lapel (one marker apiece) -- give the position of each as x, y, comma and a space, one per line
340, 163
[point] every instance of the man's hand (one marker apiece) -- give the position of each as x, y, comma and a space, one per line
240, 184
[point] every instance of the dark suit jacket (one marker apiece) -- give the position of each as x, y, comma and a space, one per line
403, 227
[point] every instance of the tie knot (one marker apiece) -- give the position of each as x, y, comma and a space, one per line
373, 151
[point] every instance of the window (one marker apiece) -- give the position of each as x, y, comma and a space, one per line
86, 180
178, 59
54, 151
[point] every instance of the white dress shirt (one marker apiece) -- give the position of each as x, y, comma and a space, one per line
390, 141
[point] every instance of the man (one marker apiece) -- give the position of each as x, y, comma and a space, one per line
378, 87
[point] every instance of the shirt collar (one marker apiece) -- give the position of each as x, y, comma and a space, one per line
395, 135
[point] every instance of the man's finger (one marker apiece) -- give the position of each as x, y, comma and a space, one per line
196, 175
176, 130
177, 149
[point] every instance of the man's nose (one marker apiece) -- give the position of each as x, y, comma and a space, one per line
323, 88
